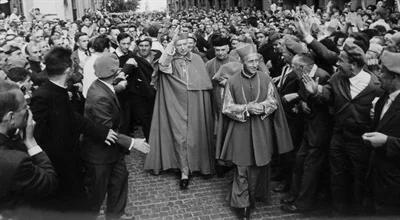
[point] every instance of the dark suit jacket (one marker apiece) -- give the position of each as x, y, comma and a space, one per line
326, 54
139, 78
23, 179
102, 107
57, 131
351, 116
318, 124
386, 159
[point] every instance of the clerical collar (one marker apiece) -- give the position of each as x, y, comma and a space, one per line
248, 75
58, 84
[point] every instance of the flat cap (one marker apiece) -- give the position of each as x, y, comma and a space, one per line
106, 65
391, 60
354, 51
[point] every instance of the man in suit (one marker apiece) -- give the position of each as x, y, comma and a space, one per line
288, 86
350, 92
26, 173
385, 139
106, 171
312, 154
58, 129
138, 99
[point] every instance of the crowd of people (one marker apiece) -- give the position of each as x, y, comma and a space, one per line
307, 97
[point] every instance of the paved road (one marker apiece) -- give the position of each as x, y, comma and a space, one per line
159, 197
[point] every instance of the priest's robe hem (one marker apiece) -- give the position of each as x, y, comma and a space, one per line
182, 118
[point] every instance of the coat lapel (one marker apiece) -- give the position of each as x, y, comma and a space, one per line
110, 93
344, 88
390, 113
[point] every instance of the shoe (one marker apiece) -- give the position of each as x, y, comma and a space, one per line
287, 200
291, 208
127, 216
184, 183
282, 187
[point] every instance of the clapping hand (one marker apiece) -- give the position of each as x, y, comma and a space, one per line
303, 27
375, 138
310, 85
29, 140
141, 145
111, 138
132, 61
177, 31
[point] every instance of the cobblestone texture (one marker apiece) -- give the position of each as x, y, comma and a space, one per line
159, 197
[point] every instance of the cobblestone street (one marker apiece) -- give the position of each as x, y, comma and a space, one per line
159, 197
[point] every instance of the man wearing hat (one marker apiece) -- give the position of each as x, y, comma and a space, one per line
350, 92
222, 57
385, 140
106, 171
182, 124
257, 125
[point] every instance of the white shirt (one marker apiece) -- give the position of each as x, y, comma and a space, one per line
389, 102
358, 83
82, 57
88, 73
286, 69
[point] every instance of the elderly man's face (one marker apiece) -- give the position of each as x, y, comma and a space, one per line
35, 54
221, 52
191, 44
182, 47
144, 49
251, 63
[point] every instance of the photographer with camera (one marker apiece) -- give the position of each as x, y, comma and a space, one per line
26, 173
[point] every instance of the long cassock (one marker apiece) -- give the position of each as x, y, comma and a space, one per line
251, 139
182, 124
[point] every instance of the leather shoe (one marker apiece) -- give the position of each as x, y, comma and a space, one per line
184, 183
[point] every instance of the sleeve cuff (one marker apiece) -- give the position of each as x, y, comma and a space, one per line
308, 39
34, 150
132, 143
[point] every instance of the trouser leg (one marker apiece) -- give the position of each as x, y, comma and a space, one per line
240, 196
96, 180
359, 158
313, 164
339, 174
117, 189
298, 169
